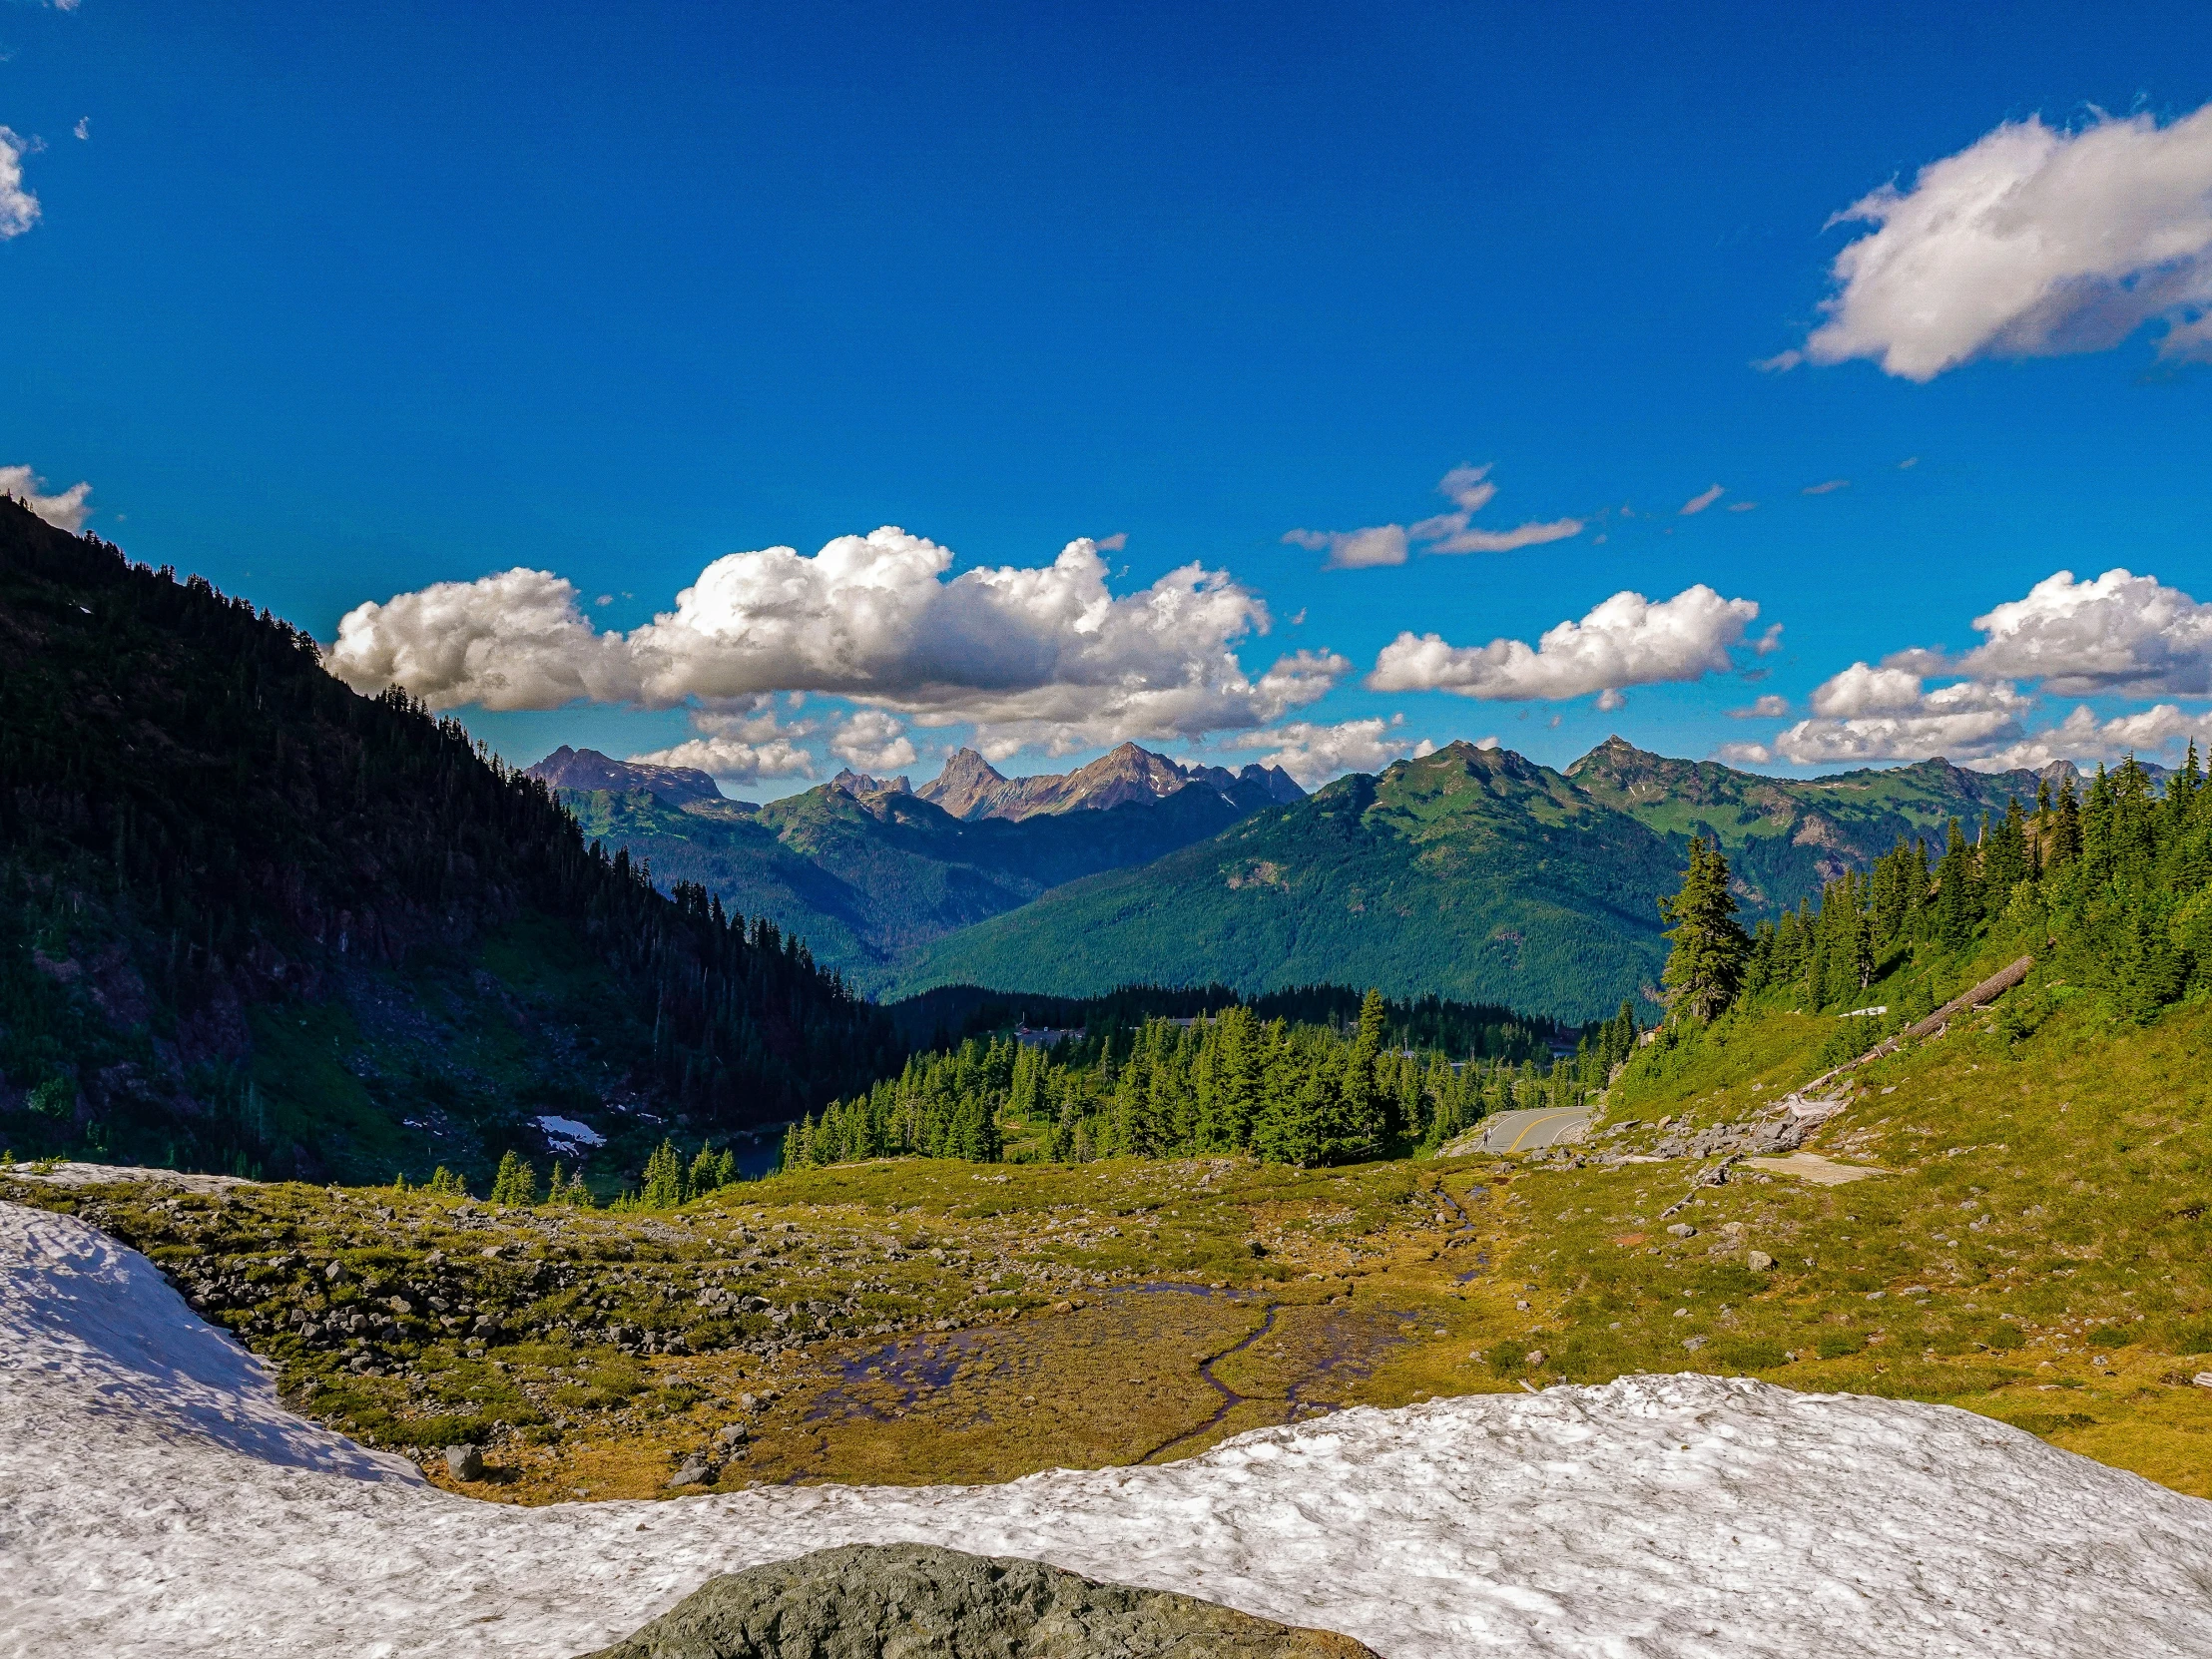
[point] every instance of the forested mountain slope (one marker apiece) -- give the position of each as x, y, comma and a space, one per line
866, 874
1785, 837
251, 919
1470, 872
1473, 873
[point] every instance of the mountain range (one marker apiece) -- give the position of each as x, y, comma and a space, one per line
1470, 872
868, 870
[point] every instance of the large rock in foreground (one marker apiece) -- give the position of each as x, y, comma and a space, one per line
915, 1601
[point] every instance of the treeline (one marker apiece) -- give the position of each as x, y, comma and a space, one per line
1295, 1093
2114, 883
195, 820
667, 1181
948, 1016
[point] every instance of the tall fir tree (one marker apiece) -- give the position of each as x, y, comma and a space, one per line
1705, 969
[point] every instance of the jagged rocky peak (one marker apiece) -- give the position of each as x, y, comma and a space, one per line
587, 768
966, 787
971, 788
857, 783
1280, 787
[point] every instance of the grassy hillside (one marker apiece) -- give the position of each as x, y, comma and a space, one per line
2035, 1242
863, 879
1471, 872
250, 920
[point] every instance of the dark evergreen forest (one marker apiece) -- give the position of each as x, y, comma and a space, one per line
252, 920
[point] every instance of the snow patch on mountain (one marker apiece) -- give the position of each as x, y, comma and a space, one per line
157, 1499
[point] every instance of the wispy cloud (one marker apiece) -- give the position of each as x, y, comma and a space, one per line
1768, 706
1827, 488
1702, 500
1470, 489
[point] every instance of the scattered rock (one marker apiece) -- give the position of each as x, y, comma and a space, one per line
694, 1473
1758, 1262
464, 1462
1536, 1359
1683, 1230
921, 1602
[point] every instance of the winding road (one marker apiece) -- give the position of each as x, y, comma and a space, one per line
1527, 1131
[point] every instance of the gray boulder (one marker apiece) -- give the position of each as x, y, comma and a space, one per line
915, 1601
464, 1462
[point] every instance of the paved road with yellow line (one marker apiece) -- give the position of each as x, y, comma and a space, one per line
1527, 1131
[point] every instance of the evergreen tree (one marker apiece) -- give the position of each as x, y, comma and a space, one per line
663, 1179
1705, 968
1958, 905
2064, 845
515, 1184
2005, 859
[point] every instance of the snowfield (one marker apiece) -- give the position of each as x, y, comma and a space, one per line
157, 1499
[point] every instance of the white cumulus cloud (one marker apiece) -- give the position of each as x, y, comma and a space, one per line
18, 207
740, 742
1625, 641
65, 509
1045, 654
2083, 736
1891, 714
869, 740
1313, 753
2122, 634
1470, 489
2033, 241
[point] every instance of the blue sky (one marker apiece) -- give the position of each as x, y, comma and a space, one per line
337, 308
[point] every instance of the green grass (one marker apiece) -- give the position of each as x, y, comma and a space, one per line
2045, 1210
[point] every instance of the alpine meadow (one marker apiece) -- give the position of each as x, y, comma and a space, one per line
1105, 833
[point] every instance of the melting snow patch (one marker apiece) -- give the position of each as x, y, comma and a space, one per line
157, 1499
566, 1134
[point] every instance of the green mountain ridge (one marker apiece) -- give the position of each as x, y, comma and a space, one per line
868, 875
1471, 872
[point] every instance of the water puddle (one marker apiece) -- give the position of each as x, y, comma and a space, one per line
880, 1383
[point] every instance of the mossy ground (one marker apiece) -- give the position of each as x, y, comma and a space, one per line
2039, 1251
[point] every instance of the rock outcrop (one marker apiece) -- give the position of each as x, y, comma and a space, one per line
916, 1601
